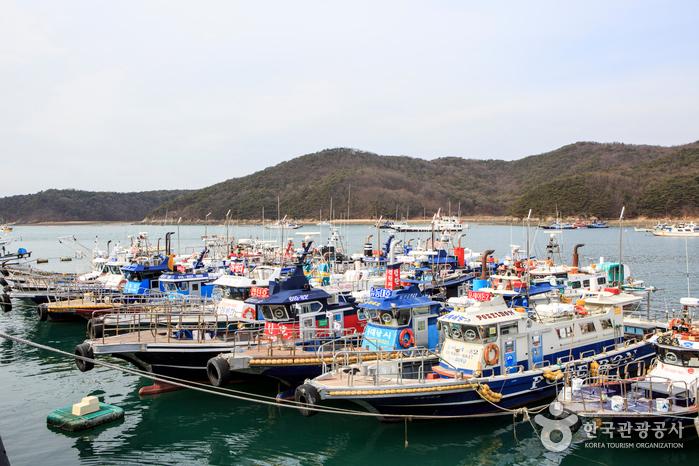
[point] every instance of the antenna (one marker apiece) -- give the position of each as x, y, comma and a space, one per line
621, 237
686, 259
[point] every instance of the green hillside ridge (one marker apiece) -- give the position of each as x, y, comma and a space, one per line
582, 179
586, 178
61, 205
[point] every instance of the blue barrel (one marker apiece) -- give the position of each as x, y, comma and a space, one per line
479, 283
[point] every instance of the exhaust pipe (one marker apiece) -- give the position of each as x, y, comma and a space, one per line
576, 257
484, 262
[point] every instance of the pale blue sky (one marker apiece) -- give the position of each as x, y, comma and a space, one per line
137, 95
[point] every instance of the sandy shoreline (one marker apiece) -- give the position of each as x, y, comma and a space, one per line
478, 219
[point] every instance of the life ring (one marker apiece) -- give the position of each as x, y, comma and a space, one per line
406, 342
249, 313
491, 354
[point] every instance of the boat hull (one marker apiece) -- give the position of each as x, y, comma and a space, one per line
527, 389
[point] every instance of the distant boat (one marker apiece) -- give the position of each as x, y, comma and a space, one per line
679, 229
558, 226
283, 224
597, 224
440, 223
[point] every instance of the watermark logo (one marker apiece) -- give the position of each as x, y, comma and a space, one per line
556, 434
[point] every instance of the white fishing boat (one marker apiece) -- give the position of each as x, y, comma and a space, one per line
689, 229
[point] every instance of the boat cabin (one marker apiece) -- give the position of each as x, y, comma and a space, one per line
231, 291
294, 310
142, 277
193, 284
486, 335
400, 319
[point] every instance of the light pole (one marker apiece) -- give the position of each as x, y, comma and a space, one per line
228, 214
179, 251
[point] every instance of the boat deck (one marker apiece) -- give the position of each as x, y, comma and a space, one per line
588, 401
162, 336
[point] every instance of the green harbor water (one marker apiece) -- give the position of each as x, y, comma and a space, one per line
188, 427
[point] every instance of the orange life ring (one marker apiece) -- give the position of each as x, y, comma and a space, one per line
406, 342
249, 313
491, 354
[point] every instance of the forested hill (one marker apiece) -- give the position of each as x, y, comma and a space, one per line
60, 205
585, 178
581, 179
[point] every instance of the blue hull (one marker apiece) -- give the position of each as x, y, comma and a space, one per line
525, 390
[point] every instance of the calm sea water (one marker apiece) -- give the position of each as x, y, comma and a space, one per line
187, 427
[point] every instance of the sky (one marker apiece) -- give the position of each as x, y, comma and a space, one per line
140, 95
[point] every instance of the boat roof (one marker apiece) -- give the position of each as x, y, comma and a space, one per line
293, 296
185, 277
383, 299
238, 281
689, 301
483, 313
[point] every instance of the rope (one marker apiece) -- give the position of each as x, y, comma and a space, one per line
229, 393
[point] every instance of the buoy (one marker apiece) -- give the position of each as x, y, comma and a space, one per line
64, 419
157, 388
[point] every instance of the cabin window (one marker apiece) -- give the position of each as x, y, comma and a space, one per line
183, 286
489, 332
508, 329
306, 308
170, 287
564, 332
586, 283
606, 324
195, 286
403, 317
363, 315
232, 292
587, 327
275, 312
679, 357
421, 311
421, 325
601, 280
575, 285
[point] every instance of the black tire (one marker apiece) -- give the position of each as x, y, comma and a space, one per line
84, 350
5, 303
95, 328
307, 395
3, 282
42, 311
219, 371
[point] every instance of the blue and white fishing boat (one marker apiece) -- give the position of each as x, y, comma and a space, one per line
493, 358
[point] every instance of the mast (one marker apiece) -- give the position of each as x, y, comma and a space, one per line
621, 237
349, 196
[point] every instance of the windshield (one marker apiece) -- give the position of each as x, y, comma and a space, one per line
275, 312
233, 292
469, 333
679, 357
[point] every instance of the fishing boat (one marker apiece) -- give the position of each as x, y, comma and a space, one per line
304, 340
283, 224
558, 226
666, 395
597, 224
685, 230
298, 321
439, 223
493, 358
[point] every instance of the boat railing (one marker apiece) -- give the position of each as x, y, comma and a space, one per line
168, 327
638, 393
383, 366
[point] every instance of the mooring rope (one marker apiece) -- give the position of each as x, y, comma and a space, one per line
239, 395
